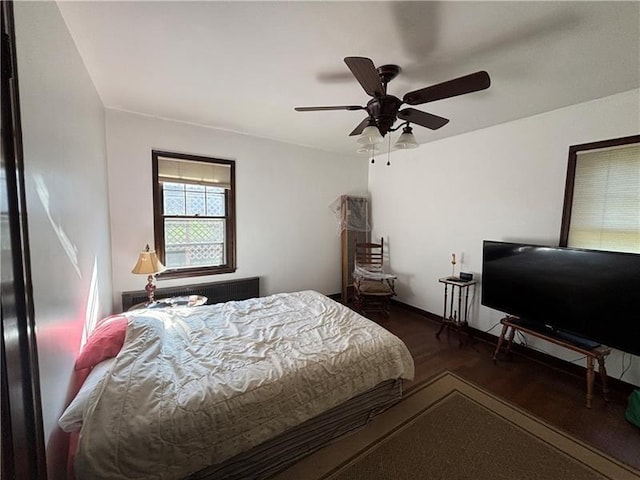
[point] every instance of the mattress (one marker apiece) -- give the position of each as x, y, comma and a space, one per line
193, 387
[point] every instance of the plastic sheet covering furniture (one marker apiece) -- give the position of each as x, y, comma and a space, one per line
195, 387
352, 215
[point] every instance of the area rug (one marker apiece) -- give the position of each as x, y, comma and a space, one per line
451, 429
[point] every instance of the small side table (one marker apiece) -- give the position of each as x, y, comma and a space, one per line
452, 319
185, 301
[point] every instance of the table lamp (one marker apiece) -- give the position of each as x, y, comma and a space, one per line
148, 264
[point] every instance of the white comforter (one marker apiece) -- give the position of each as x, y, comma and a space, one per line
195, 386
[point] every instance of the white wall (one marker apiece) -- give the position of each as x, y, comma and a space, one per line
63, 133
501, 183
286, 234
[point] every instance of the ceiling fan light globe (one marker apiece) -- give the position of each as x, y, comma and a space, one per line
368, 150
370, 136
406, 140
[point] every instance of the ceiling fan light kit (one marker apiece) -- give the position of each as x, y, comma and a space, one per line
384, 109
406, 139
370, 136
368, 150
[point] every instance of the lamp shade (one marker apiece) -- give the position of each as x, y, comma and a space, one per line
406, 139
148, 263
370, 136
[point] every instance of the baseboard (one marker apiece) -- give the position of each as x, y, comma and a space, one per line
530, 353
419, 311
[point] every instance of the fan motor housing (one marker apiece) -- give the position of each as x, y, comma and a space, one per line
384, 111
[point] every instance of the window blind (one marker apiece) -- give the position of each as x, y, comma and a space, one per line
605, 211
195, 173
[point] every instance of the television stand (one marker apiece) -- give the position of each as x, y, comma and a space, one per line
592, 350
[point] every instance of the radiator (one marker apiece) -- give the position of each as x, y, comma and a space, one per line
216, 292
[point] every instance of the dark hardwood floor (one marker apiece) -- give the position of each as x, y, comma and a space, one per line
552, 394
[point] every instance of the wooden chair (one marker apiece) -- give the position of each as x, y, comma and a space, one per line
372, 287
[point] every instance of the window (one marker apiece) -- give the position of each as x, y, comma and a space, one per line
602, 196
194, 214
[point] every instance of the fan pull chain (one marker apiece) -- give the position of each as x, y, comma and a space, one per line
389, 151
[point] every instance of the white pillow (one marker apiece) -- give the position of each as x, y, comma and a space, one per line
71, 419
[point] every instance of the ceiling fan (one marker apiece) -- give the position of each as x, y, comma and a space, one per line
384, 109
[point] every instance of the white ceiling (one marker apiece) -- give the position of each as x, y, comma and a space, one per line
243, 66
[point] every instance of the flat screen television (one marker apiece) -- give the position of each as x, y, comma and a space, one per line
591, 294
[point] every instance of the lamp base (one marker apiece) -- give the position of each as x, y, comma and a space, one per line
150, 288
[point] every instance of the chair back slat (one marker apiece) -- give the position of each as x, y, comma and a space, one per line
373, 288
369, 255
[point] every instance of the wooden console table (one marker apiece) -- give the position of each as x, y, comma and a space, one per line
598, 352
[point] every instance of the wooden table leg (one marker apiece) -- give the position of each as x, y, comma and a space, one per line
603, 377
444, 312
512, 334
590, 377
500, 340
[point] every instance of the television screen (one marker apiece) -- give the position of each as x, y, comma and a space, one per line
589, 293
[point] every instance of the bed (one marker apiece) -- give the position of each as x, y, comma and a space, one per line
234, 390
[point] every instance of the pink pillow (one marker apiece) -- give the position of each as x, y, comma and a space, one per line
105, 342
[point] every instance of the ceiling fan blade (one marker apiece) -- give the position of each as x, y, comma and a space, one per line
452, 88
365, 72
336, 107
424, 119
361, 126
